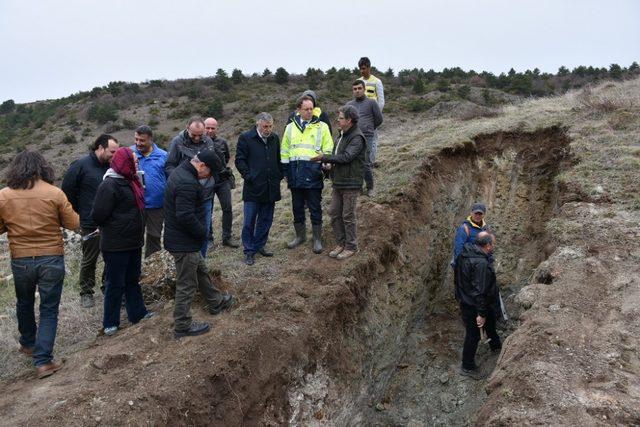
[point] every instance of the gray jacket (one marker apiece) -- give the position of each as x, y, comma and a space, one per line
370, 115
183, 149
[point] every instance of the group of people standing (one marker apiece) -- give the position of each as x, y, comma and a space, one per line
114, 194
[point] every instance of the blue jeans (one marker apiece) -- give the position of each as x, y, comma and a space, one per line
122, 278
46, 273
258, 218
312, 198
208, 209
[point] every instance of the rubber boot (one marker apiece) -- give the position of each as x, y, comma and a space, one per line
317, 238
301, 235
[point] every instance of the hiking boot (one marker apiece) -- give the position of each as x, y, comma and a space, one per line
227, 301
474, 374
196, 328
110, 331
334, 253
86, 301
230, 243
265, 252
249, 259
317, 238
345, 254
301, 235
27, 351
48, 369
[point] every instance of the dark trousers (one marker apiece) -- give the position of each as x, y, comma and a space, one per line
46, 273
208, 211
472, 334
223, 191
191, 274
90, 252
312, 198
343, 217
368, 164
122, 278
154, 220
258, 218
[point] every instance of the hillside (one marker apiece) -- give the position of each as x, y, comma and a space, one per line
376, 340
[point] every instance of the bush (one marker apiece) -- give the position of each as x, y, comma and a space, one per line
215, 108
69, 139
236, 76
222, 80
129, 124
7, 106
418, 86
464, 91
281, 76
102, 113
418, 105
266, 72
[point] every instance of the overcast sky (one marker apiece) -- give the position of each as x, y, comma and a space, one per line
53, 48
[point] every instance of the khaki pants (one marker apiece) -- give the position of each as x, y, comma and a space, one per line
191, 273
343, 217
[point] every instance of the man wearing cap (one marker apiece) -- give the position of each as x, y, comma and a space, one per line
185, 232
469, 229
317, 112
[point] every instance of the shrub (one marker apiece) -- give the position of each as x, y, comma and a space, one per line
236, 76
418, 86
266, 72
281, 76
69, 139
464, 91
102, 113
215, 108
7, 106
222, 80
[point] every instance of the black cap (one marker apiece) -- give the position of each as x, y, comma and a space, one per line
209, 158
479, 207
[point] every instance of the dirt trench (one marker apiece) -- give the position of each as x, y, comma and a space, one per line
407, 336
374, 341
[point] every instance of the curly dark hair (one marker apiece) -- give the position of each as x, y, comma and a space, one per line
26, 168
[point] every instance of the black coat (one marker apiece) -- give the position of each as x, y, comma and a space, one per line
184, 213
182, 149
476, 279
80, 184
115, 212
259, 164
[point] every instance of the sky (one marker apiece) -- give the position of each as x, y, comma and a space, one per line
54, 48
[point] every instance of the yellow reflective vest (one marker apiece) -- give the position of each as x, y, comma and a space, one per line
373, 89
299, 146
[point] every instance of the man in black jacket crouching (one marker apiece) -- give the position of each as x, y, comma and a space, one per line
477, 293
185, 232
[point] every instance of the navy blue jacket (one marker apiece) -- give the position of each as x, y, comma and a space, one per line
80, 184
154, 177
259, 164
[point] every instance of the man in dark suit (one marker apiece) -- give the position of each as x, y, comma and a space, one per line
258, 161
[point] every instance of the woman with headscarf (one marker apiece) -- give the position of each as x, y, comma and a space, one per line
118, 210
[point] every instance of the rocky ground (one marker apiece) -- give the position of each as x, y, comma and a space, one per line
376, 340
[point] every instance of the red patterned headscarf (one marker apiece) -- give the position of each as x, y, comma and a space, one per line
123, 163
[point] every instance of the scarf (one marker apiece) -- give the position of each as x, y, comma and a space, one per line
123, 165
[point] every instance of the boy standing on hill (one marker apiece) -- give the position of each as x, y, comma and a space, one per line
373, 90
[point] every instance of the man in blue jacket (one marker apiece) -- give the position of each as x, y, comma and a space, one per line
469, 229
151, 160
